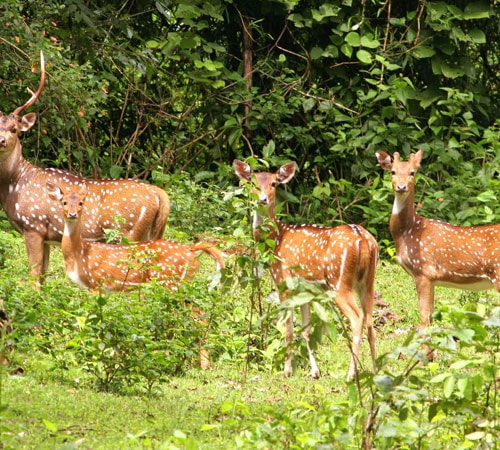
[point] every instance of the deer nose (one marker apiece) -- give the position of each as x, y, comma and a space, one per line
401, 187
3, 141
72, 215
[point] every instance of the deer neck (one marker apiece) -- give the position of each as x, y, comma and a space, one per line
265, 223
403, 217
11, 165
73, 246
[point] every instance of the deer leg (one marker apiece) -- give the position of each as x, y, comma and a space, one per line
46, 255
357, 336
203, 358
425, 291
496, 279
347, 305
288, 342
38, 255
203, 354
367, 299
305, 312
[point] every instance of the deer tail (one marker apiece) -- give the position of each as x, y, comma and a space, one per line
211, 251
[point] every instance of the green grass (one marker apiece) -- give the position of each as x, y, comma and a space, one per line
242, 401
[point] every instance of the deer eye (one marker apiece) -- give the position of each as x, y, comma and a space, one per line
393, 172
274, 184
412, 173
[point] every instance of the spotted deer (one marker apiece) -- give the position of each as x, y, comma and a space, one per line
342, 259
433, 252
24, 199
100, 266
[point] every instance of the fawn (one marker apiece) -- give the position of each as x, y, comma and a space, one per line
121, 267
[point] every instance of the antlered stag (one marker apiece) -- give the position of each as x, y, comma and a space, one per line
342, 259
23, 196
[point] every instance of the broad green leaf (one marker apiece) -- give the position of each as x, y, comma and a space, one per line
189, 42
475, 436
346, 50
477, 36
439, 378
423, 51
364, 56
115, 171
299, 299
453, 143
298, 20
353, 39
308, 104
152, 44
316, 53
179, 434
218, 84
268, 149
464, 387
331, 51
324, 11
52, 427
452, 71
369, 42
449, 386
477, 10
321, 312
486, 196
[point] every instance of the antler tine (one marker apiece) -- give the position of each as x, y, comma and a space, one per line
34, 97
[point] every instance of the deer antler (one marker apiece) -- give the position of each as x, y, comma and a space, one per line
34, 96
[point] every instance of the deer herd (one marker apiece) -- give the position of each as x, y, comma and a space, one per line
51, 206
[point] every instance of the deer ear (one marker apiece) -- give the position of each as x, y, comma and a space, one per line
418, 156
54, 191
27, 121
83, 189
286, 172
242, 169
384, 159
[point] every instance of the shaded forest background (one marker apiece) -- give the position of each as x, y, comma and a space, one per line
151, 89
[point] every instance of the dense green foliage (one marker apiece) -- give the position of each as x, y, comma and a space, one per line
151, 87
171, 92
119, 371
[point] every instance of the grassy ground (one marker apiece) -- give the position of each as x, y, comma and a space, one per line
46, 406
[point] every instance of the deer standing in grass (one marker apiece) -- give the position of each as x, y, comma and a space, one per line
342, 259
24, 199
433, 252
122, 267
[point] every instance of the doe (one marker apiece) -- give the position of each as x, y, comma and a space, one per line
122, 267
433, 252
341, 258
